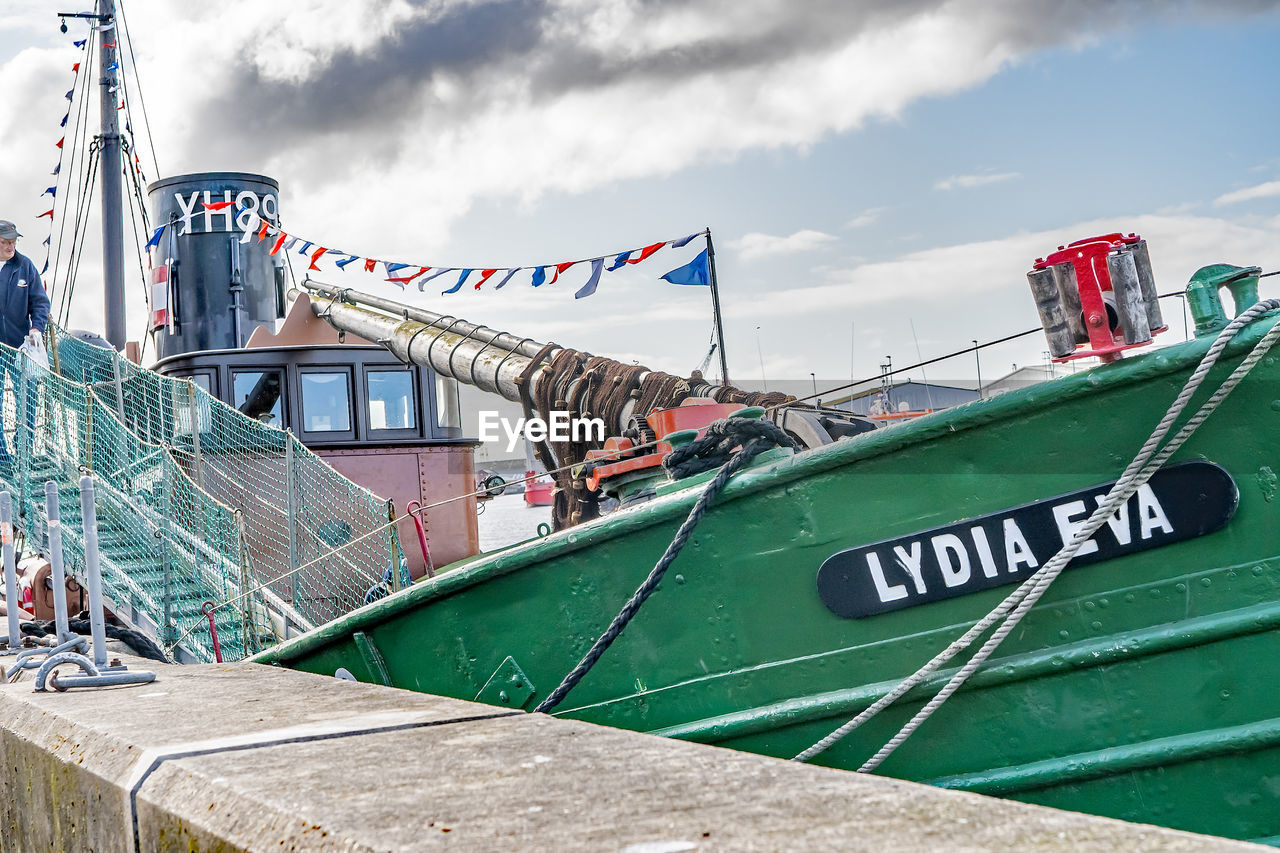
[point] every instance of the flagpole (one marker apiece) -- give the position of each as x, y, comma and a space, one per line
715, 307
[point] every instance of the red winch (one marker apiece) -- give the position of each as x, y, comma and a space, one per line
1096, 297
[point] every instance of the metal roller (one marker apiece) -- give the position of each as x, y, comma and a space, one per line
1142, 259
1044, 287
1130, 306
1069, 293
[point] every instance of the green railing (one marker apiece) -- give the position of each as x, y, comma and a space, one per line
197, 502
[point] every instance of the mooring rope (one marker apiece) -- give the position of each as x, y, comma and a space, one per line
1020, 601
755, 436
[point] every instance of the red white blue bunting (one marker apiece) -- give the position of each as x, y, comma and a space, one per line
404, 274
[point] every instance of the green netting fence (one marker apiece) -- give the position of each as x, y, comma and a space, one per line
196, 501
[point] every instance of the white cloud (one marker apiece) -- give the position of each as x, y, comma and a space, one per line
1267, 190
865, 218
964, 182
1179, 246
756, 245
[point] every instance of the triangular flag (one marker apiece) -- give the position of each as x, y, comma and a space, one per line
262, 232
684, 241
403, 280
342, 265
53, 191
462, 278
392, 267
250, 227
422, 284
76, 68
63, 123
48, 213
46, 240
70, 94
306, 247
597, 266
79, 42
646, 252
620, 261
369, 264
507, 277
485, 275
315, 256
697, 271
60, 141
155, 238
218, 205
289, 244
561, 267
275, 247
539, 277
56, 169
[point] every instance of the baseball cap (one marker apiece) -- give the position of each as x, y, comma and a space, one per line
8, 231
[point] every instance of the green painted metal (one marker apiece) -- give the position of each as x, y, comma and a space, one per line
1206, 303
1141, 688
508, 686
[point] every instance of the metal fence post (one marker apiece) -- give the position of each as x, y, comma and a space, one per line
88, 428
392, 540
169, 632
194, 408
291, 522
246, 620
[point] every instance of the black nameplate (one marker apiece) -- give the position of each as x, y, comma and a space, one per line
1178, 503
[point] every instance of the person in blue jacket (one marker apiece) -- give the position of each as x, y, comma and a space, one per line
24, 311
24, 306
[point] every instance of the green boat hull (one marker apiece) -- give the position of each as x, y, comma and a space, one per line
1142, 687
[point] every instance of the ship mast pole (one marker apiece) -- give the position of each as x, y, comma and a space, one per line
715, 308
112, 199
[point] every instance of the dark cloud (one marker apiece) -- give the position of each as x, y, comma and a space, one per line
376, 85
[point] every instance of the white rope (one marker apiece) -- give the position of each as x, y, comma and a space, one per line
1021, 600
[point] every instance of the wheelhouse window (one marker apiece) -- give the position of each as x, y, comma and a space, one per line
326, 400
448, 406
391, 400
257, 393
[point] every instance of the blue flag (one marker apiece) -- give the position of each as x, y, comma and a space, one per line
539, 277
155, 238
695, 272
461, 279
597, 266
621, 260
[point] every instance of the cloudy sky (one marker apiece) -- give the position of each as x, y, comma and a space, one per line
878, 176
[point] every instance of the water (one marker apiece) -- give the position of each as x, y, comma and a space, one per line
507, 519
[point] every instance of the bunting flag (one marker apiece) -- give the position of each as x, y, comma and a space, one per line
53, 191
63, 123
697, 271
70, 94
561, 268
56, 169
48, 213
404, 280
80, 42
60, 141
155, 238
597, 266
646, 252
694, 272
76, 68
461, 279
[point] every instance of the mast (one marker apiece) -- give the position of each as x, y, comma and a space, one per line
715, 307
112, 199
